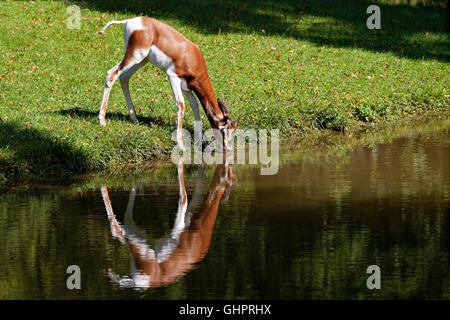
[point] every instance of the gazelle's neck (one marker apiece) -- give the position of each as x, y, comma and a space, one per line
205, 93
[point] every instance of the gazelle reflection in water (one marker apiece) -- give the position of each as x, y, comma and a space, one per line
189, 240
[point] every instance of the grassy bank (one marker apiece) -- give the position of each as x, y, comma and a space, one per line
298, 66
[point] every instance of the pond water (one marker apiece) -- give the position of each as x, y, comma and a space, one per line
227, 232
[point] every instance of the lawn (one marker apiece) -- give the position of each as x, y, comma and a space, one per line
302, 67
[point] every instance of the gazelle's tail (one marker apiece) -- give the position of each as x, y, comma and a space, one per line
111, 23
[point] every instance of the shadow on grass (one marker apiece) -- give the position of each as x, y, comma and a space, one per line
85, 114
403, 27
148, 121
30, 153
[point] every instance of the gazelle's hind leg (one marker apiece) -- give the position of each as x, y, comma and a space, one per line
124, 82
132, 61
111, 77
116, 229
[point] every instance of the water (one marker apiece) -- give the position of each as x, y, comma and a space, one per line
309, 232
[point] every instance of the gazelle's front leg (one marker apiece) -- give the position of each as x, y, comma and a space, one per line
175, 83
182, 203
198, 133
165, 247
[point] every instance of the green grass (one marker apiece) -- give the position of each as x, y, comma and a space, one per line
302, 67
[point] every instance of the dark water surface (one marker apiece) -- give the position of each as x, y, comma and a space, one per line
309, 232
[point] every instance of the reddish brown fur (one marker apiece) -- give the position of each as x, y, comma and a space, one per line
193, 242
189, 62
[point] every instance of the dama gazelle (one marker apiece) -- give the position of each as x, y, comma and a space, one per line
147, 39
189, 240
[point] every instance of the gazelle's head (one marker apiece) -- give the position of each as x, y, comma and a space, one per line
225, 125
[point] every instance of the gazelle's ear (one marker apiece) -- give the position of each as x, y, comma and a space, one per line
223, 108
213, 114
